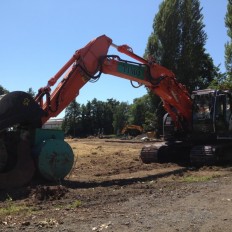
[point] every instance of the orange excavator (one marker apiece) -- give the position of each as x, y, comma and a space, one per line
135, 129
26, 149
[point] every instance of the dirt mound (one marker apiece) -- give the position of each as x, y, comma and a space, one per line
45, 193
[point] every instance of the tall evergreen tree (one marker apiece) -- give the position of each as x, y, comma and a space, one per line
87, 119
120, 116
31, 92
178, 41
72, 118
228, 45
91, 119
141, 111
109, 111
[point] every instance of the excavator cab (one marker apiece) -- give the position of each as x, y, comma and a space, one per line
212, 127
211, 114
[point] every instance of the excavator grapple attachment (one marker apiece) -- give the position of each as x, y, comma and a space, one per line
23, 168
25, 147
19, 114
19, 108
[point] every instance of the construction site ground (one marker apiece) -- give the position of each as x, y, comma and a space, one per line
110, 189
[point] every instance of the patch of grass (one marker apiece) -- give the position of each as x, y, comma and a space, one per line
75, 204
72, 205
12, 208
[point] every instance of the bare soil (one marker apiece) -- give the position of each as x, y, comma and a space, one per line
110, 189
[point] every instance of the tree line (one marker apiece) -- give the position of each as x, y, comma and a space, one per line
178, 43
107, 117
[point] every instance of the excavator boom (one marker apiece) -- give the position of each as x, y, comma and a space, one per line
160, 81
93, 59
83, 65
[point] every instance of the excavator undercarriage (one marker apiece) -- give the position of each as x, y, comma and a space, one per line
208, 142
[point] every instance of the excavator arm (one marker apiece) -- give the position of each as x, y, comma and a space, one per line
83, 65
93, 59
160, 81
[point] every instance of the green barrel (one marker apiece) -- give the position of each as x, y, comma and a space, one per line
54, 156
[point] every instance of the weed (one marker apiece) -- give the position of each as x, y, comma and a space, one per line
75, 204
13, 208
197, 178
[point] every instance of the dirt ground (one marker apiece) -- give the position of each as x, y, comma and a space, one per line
110, 189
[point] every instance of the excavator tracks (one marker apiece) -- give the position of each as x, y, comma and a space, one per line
149, 154
203, 154
186, 153
211, 154
170, 152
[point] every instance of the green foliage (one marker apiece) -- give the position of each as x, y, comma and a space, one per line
3, 90
226, 84
228, 45
71, 119
142, 112
75, 204
31, 92
12, 208
224, 80
107, 117
120, 116
178, 43
91, 119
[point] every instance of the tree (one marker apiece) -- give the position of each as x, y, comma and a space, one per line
31, 92
90, 119
97, 113
72, 118
228, 45
102, 116
3, 90
86, 119
120, 116
224, 80
177, 42
110, 108
138, 110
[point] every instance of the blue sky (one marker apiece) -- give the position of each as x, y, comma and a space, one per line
39, 37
